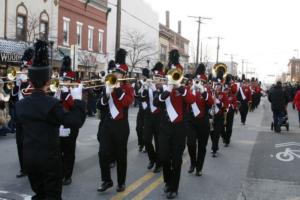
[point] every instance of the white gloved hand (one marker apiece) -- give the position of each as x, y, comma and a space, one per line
77, 92
108, 90
18, 82
170, 88
64, 89
23, 77
201, 88
57, 94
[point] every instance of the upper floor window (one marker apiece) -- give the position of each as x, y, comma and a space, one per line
21, 22
163, 53
100, 41
44, 26
21, 27
79, 35
90, 38
66, 31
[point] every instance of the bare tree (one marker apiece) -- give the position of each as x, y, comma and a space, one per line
87, 59
139, 49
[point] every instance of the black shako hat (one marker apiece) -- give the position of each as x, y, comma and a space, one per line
40, 71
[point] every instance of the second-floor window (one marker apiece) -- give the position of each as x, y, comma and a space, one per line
21, 27
79, 35
66, 30
44, 30
163, 53
100, 42
90, 38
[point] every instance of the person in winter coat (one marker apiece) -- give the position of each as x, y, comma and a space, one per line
278, 99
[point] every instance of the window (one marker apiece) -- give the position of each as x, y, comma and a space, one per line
44, 30
66, 30
163, 53
90, 38
21, 27
79, 35
100, 42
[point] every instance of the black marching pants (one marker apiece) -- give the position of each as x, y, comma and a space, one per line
244, 111
45, 179
172, 138
216, 133
151, 130
227, 131
113, 142
140, 126
68, 147
198, 135
19, 141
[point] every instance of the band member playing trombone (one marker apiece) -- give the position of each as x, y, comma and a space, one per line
39, 117
199, 123
117, 96
172, 135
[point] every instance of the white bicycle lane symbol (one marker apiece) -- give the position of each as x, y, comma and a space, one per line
288, 154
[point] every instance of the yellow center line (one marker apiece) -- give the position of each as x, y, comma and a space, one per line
153, 185
133, 186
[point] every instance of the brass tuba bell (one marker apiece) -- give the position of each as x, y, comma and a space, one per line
218, 67
174, 76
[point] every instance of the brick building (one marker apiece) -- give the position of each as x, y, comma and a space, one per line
170, 39
294, 70
82, 33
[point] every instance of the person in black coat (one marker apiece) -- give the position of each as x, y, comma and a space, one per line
39, 117
278, 99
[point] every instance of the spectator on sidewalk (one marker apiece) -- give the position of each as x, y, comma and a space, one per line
278, 99
296, 103
4, 113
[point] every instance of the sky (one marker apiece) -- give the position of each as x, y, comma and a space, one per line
265, 33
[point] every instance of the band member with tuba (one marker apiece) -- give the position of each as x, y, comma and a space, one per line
199, 133
117, 96
39, 117
172, 134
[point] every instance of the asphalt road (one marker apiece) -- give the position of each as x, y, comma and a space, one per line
259, 165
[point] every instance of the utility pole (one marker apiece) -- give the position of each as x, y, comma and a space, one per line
5, 20
118, 28
199, 21
242, 66
218, 49
201, 54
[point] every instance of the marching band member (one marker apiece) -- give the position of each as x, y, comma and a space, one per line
232, 108
199, 134
244, 98
172, 134
152, 121
219, 109
39, 117
68, 134
115, 130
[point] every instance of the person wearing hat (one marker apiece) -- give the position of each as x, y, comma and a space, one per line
232, 108
115, 131
174, 60
151, 124
39, 117
198, 134
172, 102
244, 98
220, 108
138, 90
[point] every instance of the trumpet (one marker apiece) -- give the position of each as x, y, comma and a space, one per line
12, 75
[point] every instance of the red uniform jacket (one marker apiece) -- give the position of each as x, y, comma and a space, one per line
222, 97
202, 103
296, 101
247, 93
122, 103
234, 88
232, 100
177, 102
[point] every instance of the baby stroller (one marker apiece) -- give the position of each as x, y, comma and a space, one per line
282, 121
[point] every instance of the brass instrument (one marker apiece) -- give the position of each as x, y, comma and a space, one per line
12, 75
175, 77
218, 67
